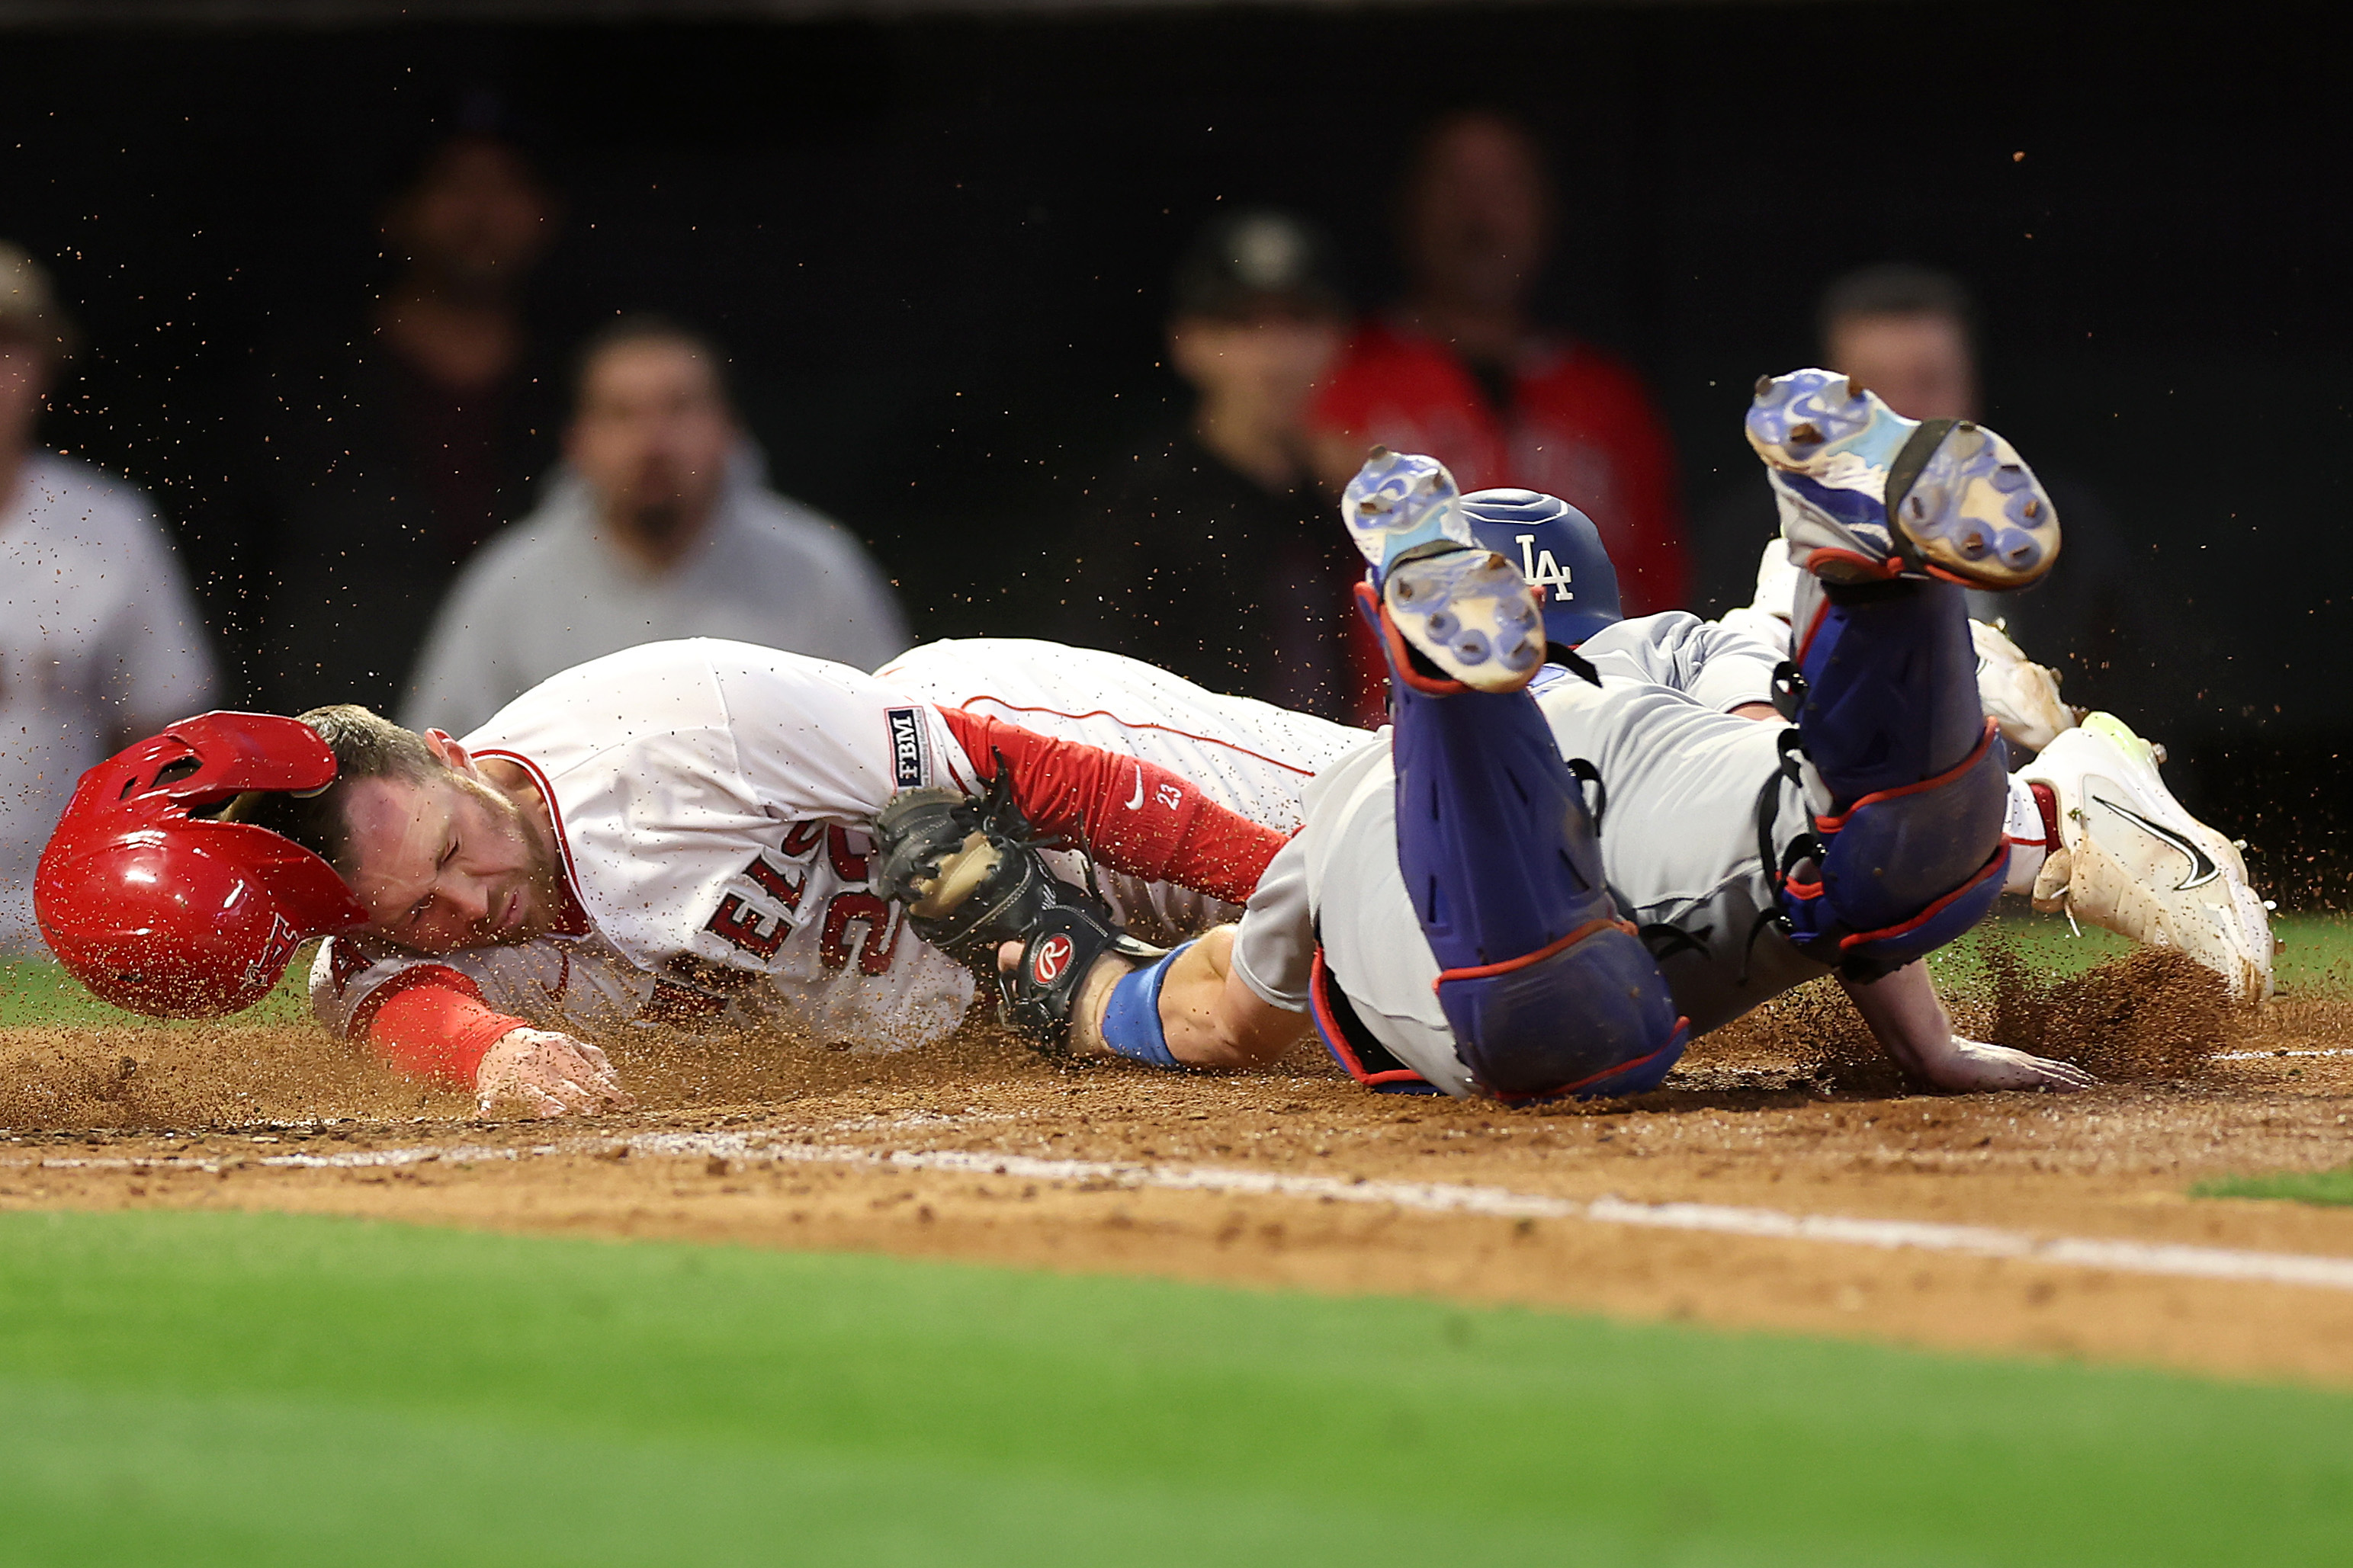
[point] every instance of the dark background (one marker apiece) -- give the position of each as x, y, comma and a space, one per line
938, 248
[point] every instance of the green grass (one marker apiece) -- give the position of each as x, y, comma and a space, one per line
41, 992
2318, 960
258, 1389
2300, 1186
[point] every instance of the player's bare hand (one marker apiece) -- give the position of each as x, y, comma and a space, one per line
1972, 1065
536, 1073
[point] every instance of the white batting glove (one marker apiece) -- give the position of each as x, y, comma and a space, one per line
536, 1073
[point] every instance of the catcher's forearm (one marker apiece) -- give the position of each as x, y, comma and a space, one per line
1131, 815
1906, 1016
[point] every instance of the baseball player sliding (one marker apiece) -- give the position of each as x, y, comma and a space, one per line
1459, 913
677, 835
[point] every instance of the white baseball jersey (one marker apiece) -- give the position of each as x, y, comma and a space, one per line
711, 799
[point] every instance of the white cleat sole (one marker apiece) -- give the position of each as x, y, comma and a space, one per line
1967, 506
1471, 615
1399, 503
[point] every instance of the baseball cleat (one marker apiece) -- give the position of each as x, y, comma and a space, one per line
1398, 504
2132, 861
1471, 614
1965, 506
2018, 694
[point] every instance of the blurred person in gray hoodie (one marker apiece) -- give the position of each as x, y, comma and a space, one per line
100, 640
659, 525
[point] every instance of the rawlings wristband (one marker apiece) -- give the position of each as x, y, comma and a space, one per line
1131, 1023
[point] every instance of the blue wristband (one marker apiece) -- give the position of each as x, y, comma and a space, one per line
1131, 1024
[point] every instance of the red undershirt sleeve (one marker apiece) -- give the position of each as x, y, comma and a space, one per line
1132, 815
431, 1021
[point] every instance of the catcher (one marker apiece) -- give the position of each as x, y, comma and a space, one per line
1456, 917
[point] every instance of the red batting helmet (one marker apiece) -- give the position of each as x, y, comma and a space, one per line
161, 911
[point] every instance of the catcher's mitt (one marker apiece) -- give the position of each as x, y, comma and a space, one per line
971, 875
967, 869
1037, 996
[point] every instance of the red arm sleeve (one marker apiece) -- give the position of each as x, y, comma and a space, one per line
1132, 815
432, 1022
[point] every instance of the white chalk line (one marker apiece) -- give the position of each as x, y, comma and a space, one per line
2159, 1258
2266, 1055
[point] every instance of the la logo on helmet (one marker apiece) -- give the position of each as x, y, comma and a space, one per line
1539, 567
1052, 955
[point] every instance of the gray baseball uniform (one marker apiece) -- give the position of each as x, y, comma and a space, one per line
1681, 784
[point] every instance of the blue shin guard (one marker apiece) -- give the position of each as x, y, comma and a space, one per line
1911, 854
1547, 990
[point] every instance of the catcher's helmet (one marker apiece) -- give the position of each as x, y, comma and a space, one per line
162, 910
1559, 549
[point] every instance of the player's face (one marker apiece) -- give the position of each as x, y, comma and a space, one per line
1920, 362
449, 863
1266, 364
478, 218
652, 435
1477, 215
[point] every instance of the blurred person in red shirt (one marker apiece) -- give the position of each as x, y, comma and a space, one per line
1461, 370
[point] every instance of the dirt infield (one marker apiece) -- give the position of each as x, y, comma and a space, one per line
979, 1150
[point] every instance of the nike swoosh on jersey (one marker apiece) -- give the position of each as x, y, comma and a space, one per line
1137, 804
2202, 868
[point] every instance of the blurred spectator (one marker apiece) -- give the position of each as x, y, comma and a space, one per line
100, 641
1459, 370
388, 461
1209, 550
1909, 334
661, 525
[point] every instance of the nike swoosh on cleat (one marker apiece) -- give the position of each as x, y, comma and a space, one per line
1138, 801
2202, 868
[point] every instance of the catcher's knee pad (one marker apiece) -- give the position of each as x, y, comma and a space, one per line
1588, 1016
1901, 872
1547, 990
1911, 853
1890, 693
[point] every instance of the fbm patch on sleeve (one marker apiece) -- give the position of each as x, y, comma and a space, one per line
911, 753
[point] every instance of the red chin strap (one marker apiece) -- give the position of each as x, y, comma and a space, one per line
160, 910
